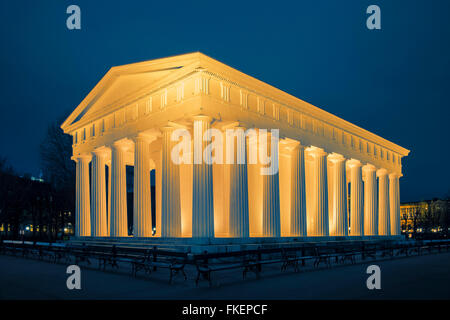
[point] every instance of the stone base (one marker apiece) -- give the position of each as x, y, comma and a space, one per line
199, 245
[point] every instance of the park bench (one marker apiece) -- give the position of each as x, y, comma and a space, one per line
345, 253
325, 254
289, 258
422, 246
54, 251
249, 261
441, 245
81, 253
15, 247
164, 259
208, 263
368, 250
387, 249
292, 256
404, 248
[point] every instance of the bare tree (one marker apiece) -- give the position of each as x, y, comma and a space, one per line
59, 170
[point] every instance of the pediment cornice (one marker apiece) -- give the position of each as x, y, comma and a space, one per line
184, 66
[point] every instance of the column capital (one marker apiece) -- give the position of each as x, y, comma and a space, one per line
353, 163
101, 152
202, 117
85, 157
167, 128
315, 151
230, 125
290, 144
369, 167
144, 137
382, 172
394, 175
298, 146
336, 157
123, 144
237, 127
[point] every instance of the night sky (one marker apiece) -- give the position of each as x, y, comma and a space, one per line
393, 82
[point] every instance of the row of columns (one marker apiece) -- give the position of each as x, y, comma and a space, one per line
93, 221
370, 213
318, 193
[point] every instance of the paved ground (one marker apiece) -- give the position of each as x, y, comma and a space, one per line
424, 277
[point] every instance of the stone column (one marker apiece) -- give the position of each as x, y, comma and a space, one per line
119, 219
108, 217
82, 208
239, 214
298, 199
158, 193
271, 193
142, 213
170, 188
338, 211
370, 201
202, 193
394, 201
319, 193
384, 226
98, 195
356, 198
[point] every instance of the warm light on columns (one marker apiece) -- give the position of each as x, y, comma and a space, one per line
98, 194
356, 198
384, 226
158, 193
239, 214
394, 201
271, 194
338, 196
119, 220
298, 198
142, 213
317, 196
370, 201
202, 186
170, 185
108, 216
82, 208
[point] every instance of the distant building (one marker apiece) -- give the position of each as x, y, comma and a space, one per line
429, 216
31, 210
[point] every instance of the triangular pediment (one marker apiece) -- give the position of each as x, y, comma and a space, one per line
121, 87
123, 82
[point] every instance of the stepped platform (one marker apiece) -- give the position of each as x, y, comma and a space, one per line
199, 245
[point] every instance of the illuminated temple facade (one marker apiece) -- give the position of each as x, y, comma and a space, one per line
333, 178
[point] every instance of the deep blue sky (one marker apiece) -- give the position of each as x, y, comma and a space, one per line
393, 82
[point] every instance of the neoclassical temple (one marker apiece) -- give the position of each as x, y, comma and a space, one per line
333, 178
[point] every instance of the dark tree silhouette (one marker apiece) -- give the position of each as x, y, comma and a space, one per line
59, 170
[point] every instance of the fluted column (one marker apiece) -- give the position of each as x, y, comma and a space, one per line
202, 191
142, 213
394, 201
119, 220
298, 199
82, 208
271, 192
370, 201
158, 193
108, 216
384, 226
98, 195
356, 198
170, 188
338, 211
239, 214
319, 222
